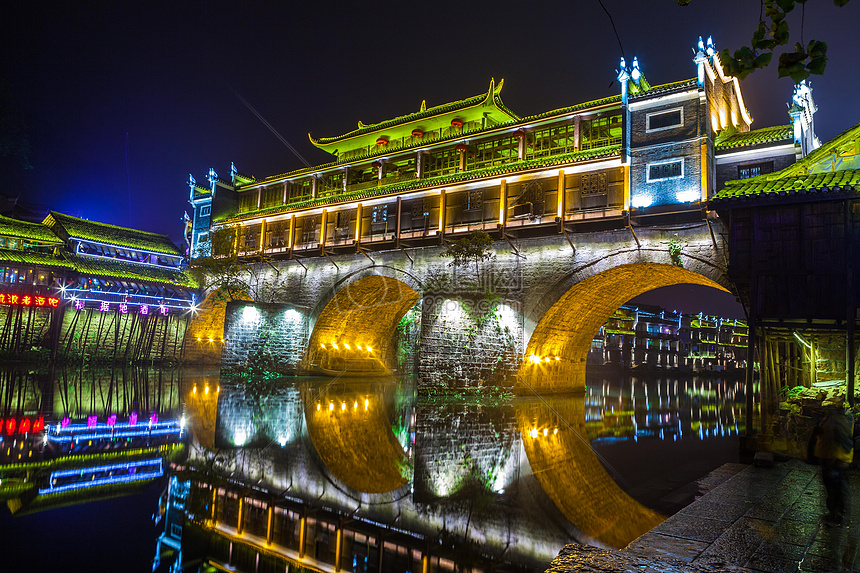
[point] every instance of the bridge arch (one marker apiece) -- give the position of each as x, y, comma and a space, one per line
353, 324
556, 352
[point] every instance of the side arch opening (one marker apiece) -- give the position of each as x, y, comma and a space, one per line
555, 357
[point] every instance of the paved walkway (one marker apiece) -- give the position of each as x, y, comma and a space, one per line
762, 520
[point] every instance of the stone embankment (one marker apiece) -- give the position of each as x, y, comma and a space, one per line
760, 520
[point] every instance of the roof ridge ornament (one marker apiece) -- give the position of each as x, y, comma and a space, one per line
423, 106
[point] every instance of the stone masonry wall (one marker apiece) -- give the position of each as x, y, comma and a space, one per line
263, 338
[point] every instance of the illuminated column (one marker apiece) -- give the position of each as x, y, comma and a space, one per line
286, 190
338, 546
442, 208
324, 230
425, 563
625, 175
314, 187
241, 517
560, 212
303, 525
419, 164
292, 233
358, 225
399, 215
576, 133
345, 177
262, 235
704, 167
269, 525
213, 514
503, 202
259, 197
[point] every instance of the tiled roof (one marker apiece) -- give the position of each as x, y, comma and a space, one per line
33, 258
492, 95
26, 230
847, 181
110, 268
815, 174
77, 228
402, 186
778, 133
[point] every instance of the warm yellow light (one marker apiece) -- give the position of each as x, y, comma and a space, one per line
198, 339
322, 345
369, 349
206, 390
534, 433
195, 389
533, 359
347, 346
546, 359
330, 407
545, 431
218, 389
318, 407
358, 346
211, 340
334, 346
355, 406
365, 404
554, 432
343, 406
557, 358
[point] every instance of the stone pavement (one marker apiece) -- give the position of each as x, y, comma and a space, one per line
762, 520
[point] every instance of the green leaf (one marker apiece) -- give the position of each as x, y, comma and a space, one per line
817, 66
840, 3
786, 5
763, 60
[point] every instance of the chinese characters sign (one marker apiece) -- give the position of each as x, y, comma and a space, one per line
28, 300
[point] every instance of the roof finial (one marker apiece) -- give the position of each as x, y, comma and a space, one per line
191, 180
423, 106
711, 48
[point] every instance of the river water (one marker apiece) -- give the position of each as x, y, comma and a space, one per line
363, 474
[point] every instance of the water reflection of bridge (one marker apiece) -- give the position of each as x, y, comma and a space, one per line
366, 476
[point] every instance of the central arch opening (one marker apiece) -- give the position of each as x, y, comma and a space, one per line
353, 334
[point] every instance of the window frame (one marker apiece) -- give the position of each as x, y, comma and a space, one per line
667, 162
648, 116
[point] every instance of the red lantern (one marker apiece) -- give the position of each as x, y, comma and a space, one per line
461, 147
39, 424
382, 141
25, 426
519, 134
376, 164
10, 426
457, 123
417, 133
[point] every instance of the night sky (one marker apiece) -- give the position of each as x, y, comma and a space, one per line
123, 99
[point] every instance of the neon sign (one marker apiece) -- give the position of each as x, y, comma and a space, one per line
23, 426
28, 300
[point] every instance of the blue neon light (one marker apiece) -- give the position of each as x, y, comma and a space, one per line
108, 480
77, 432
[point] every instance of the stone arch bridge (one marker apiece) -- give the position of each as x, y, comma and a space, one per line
525, 318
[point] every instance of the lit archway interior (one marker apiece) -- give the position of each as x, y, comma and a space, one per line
352, 434
556, 353
353, 333
569, 472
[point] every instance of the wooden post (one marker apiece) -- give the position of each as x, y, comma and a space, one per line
503, 205
358, 216
399, 220
561, 197
323, 230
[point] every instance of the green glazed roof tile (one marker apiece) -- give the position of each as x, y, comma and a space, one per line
26, 230
8, 256
111, 234
773, 134
101, 267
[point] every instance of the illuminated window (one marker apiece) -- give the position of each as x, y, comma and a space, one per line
205, 210
755, 169
664, 120
665, 170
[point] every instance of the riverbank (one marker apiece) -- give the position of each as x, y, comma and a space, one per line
763, 520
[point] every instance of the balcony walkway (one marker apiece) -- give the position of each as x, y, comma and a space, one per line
764, 520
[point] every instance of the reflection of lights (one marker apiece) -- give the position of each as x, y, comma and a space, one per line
366, 402
318, 407
555, 431
355, 406
322, 345
206, 390
369, 349
194, 389
346, 346
182, 422
334, 345
545, 431
292, 315
534, 359
534, 433
330, 406
343, 406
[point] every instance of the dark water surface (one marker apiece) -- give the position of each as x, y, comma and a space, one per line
363, 472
